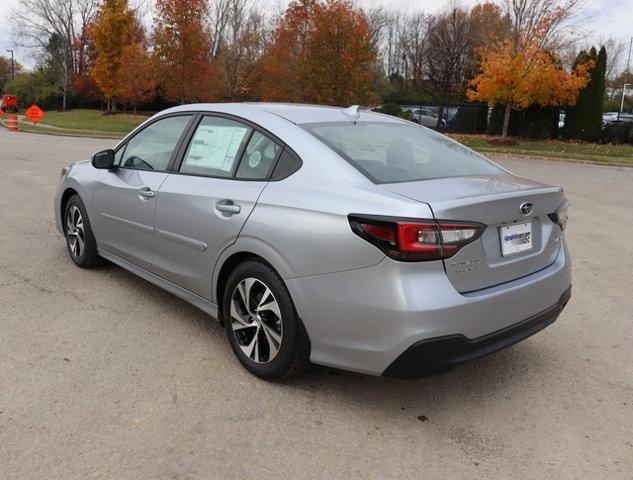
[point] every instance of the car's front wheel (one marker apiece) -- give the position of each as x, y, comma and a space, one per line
262, 324
80, 241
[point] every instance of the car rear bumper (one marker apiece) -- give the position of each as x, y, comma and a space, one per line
431, 356
366, 319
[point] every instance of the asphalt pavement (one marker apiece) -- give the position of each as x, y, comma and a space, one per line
104, 376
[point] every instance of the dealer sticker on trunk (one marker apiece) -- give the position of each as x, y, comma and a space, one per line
516, 238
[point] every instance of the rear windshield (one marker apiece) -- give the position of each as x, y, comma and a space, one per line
391, 152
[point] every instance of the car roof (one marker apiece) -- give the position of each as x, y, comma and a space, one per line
293, 112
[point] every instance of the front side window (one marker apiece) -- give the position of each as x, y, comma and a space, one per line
399, 152
215, 147
152, 147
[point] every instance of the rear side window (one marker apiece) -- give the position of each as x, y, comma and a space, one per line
152, 147
398, 152
259, 157
215, 147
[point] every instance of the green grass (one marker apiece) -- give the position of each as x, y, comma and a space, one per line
91, 121
29, 127
591, 152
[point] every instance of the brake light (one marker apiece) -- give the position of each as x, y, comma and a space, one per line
415, 240
559, 217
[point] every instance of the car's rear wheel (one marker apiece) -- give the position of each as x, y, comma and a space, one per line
80, 241
262, 324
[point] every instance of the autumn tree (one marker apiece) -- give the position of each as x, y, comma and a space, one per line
240, 35
138, 84
8, 70
532, 77
283, 66
182, 49
110, 32
83, 83
523, 70
322, 52
488, 24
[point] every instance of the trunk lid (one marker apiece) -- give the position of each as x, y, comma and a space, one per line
495, 201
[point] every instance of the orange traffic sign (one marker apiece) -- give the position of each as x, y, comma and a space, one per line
34, 113
1, 113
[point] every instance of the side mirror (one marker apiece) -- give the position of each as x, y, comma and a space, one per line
103, 159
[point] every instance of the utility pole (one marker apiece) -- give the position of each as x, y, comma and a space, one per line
628, 64
12, 64
622, 102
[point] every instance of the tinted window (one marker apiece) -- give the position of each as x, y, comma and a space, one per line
119, 155
151, 148
389, 152
215, 147
258, 158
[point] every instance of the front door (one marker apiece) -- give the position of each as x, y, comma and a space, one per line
124, 198
202, 207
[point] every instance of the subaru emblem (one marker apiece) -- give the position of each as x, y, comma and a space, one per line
526, 208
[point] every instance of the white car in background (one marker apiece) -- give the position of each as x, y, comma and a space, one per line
426, 117
612, 117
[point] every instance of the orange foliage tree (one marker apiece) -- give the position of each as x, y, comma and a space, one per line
533, 76
109, 33
137, 76
322, 52
83, 82
522, 70
182, 49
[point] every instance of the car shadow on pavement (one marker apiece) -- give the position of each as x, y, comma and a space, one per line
482, 377
485, 381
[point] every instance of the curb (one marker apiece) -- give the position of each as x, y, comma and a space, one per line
66, 133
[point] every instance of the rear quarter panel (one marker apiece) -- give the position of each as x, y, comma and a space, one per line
303, 220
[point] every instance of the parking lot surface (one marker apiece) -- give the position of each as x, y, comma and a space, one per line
103, 375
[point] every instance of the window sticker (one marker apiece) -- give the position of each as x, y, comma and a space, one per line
215, 146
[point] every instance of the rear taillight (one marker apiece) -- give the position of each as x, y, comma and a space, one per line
559, 217
415, 240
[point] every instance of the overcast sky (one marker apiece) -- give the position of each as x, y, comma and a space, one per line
600, 18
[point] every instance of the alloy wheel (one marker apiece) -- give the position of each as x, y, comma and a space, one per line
75, 231
256, 320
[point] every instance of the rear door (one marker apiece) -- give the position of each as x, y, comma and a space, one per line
124, 199
202, 207
516, 241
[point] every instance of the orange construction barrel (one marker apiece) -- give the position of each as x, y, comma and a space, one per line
12, 123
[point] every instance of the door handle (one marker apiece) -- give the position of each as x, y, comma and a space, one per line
145, 192
227, 206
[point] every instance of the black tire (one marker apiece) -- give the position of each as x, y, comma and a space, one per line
293, 354
86, 256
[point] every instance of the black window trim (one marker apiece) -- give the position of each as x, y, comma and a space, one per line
173, 167
176, 150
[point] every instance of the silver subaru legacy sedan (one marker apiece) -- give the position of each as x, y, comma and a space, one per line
335, 236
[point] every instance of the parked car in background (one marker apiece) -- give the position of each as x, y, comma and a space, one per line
426, 117
613, 117
609, 117
348, 238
